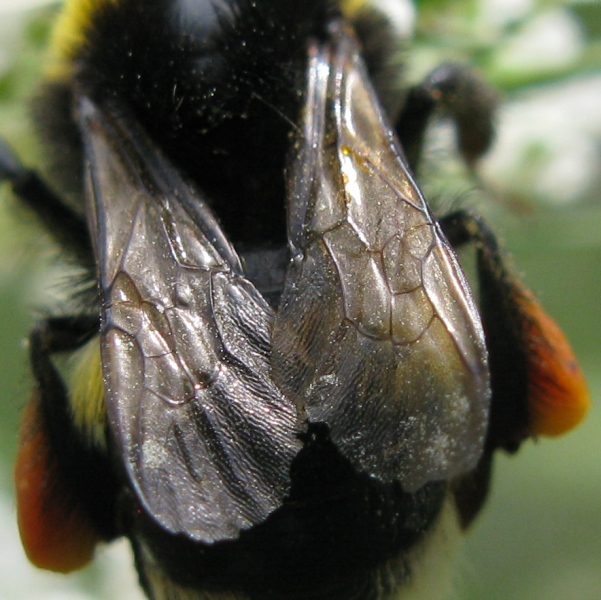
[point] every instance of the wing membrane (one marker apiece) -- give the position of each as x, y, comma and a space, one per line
376, 334
206, 436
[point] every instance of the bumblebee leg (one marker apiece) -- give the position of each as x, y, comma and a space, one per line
504, 326
66, 489
537, 385
75, 452
67, 226
61, 334
457, 92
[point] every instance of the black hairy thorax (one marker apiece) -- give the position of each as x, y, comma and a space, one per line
216, 85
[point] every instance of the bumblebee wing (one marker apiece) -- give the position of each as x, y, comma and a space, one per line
206, 437
377, 334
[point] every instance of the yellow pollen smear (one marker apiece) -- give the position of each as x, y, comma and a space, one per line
87, 393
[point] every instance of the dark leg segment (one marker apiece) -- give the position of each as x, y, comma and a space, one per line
67, 226
505, 333
506, 328
458, 93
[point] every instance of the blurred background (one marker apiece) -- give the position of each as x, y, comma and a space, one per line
540, 535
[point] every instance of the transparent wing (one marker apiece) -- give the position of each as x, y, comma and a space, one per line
377, 334
206, 437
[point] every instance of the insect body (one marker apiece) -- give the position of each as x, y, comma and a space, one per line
297, 391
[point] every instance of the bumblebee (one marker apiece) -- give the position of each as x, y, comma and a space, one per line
281, 384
